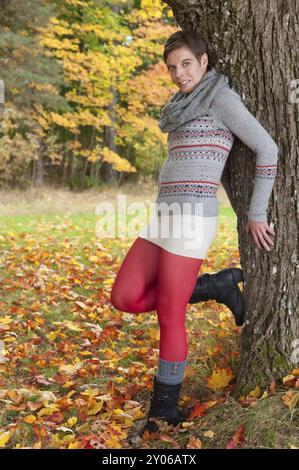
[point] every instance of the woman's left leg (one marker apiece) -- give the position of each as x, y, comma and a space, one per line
177, 277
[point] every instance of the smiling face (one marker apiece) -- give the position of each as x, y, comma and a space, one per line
185, 69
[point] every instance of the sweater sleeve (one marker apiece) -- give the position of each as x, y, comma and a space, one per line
231, 111
226, 183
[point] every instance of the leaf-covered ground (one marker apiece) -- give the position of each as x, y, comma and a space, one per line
77, 373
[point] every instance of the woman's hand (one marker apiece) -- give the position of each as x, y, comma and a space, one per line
259, 234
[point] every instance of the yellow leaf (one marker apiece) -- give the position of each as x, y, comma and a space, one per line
74, 445
153, 333
113, 443
52, 336
119, 380
10, 340
256, 393
91, 392
220, 378
5, 320
93, 259
71, 421
70, 369
72, 326
48, 410
96, 408
187, 425
4, 438
68, 384
209, 434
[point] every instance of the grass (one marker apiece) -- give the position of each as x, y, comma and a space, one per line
56, 277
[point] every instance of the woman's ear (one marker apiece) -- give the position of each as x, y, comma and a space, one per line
205, 59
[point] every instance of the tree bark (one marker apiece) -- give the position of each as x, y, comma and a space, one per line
108, 173
256, 44
38, 170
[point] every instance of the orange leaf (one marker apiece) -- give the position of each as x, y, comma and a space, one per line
194, 443
237, 439
200, 409
29, 419
290, 399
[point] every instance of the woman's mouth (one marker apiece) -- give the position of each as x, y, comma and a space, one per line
183, 83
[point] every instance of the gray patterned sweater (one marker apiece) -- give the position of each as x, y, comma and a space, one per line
197, 153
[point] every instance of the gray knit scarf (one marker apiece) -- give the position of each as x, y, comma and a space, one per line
184, 107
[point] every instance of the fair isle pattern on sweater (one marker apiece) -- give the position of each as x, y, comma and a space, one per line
266, 171
197, 148
197, 153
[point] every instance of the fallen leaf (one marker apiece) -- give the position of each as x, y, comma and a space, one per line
290, 399
194, 443
209, 434
4, 438
201, 408
238, 438
220, 378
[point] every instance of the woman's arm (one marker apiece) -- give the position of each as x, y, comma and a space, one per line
230, 110
226, 183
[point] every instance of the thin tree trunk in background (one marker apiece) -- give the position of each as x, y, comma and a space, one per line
37, 180
83, 173
64, 169
71, 167
108, 174
257, 47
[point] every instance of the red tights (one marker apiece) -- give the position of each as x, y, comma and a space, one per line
151, 278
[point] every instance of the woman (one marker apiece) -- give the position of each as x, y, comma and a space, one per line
160, 272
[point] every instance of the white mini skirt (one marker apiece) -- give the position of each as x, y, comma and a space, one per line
182, 234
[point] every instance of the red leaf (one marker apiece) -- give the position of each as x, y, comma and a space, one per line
237, 439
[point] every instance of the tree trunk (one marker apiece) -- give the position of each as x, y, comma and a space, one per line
37, 180
256, 44
108, 174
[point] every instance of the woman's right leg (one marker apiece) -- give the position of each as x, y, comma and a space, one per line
134, 288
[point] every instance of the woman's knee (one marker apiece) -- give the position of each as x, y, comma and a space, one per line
171, 315
123, 301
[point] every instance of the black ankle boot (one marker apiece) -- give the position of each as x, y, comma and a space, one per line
222, 287
164, 406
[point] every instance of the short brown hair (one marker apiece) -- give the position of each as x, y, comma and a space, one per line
193, 39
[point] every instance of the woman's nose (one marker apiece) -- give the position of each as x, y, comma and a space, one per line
178, 72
